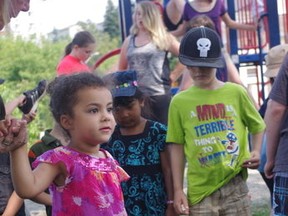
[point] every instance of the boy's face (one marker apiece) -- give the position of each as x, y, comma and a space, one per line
202, 76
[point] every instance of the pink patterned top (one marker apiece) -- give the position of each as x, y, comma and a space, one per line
92, 185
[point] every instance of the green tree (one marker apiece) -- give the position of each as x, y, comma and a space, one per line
111, 20
23, 64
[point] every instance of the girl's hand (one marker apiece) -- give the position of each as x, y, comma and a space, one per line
181, 203
253, 162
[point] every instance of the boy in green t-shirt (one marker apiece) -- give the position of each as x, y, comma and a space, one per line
208, 125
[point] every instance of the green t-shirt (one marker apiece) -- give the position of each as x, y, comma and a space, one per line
213, 126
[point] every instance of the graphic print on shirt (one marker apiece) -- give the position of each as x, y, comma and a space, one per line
216, 140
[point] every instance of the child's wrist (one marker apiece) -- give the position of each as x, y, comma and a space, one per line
170, 202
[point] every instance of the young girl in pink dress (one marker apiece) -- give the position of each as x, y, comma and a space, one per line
83, 179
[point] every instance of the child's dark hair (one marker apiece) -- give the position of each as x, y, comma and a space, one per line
81, 39
63, 92
126, 101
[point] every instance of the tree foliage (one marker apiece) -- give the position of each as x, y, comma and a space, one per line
111, 20
24, 62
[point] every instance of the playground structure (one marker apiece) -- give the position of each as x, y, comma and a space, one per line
247, 48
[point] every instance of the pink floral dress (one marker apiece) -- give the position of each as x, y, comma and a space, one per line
92, 185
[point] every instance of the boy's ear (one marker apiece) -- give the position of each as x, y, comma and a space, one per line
66, 122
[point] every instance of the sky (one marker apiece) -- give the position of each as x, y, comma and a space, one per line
45, 15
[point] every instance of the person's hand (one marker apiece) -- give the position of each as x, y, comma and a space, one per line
4, 126
254, 26
253, 162
29, 117
16, 137
181, 203
268, 169
170, 211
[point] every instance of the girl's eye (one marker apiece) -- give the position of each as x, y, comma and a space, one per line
95, 110
110, 109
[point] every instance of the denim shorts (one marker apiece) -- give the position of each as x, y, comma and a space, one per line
231, 199
280, 194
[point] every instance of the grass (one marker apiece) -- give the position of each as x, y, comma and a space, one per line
260, 210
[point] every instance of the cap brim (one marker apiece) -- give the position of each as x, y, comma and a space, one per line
272, 72
202, 62
123, 92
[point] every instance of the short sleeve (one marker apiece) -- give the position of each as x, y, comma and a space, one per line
223, 9
54, 156
250, 116
175, 131
160, 131
185, 14
122, 175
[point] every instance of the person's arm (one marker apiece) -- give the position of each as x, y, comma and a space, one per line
177, 158
174, 10
13, 205
166, 167
29, 184
43, 198
181, 30
236, 25
123, 64
177, 72
179, 68
233, 76
254, 161
273, 118
12, 105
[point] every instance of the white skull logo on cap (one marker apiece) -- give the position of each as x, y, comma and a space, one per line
203, 45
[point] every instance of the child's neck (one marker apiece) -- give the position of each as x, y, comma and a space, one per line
59, 134
137, 129
142, 38
91, 150
213, 85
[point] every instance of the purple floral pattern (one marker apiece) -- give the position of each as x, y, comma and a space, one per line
92, 185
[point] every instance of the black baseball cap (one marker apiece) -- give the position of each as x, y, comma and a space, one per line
124, 83
201, 47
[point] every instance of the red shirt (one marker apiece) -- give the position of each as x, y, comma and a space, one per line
70, 65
